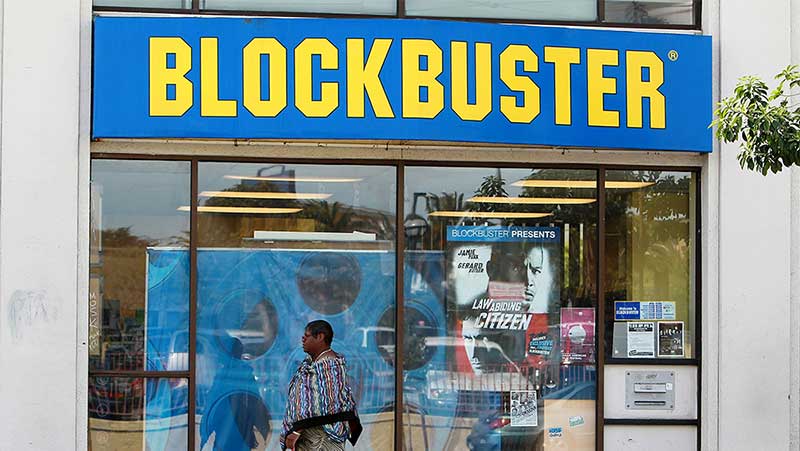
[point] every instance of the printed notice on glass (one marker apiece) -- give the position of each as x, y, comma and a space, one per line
641, 340
670, 339
638, 311
524, 408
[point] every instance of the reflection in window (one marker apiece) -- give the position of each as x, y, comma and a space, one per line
139, 253
578, 10
504, 261
378, 7
279, 246
167, 4
650, 12
136, 413
650, 255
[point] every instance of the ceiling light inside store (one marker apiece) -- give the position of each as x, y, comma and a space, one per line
258, 195
488, 214
243, 210
295, 179
580, 184
627, 185
531, 200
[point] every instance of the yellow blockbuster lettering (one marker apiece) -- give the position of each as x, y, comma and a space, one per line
599, 86
365, 78
563, 58
329, 60
483, 80
531, 99
415, 78
162, 76
251, 70
638, 89
210, 104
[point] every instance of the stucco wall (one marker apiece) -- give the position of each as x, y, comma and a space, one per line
755, 327
39, 235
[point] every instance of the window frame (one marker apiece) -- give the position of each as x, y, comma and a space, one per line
400, 13
400, 165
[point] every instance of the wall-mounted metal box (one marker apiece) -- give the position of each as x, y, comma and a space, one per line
650, 390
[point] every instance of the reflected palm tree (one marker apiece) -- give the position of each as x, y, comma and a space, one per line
491, 186
329, 217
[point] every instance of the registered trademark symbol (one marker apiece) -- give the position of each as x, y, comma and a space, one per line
673, 55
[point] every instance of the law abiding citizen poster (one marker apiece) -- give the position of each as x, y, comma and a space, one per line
504, 285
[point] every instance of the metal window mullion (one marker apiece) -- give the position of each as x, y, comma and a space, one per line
399, 325
698, 14
600, 332
144, 374
190, 418
698, 304
601, 11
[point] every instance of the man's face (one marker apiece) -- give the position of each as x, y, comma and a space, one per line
482, 349
472, 341
534, 262
313, 344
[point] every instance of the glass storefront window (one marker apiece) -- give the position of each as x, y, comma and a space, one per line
139, 266
279, 246
137, 414
643, 12
650, 12
377, 7
500, 273
499, 297
578, 10
650, 254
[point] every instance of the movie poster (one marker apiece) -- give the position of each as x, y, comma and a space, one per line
577, 335
503, 294
670, 339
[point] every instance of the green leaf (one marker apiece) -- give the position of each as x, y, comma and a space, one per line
763, 121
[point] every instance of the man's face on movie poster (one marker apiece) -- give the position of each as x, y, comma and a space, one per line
494, 280
522, 273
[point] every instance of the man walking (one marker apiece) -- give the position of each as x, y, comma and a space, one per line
320, 411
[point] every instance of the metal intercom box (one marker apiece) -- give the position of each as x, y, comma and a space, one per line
650, 390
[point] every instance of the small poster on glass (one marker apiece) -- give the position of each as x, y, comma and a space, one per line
641, 340
524, 408
670, 339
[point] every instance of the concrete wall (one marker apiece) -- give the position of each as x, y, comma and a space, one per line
40, 143
755, 328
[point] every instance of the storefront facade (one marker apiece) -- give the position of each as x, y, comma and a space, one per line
523, 235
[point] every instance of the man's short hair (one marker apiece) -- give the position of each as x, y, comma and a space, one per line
321, 327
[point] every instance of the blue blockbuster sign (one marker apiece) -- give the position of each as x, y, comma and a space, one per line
390, 79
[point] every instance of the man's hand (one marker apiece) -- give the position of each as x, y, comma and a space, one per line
261, 441
291, 439
209, 445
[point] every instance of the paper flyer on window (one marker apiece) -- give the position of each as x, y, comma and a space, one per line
649, 310
503, 283
524, 408
641, 340
577, 335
